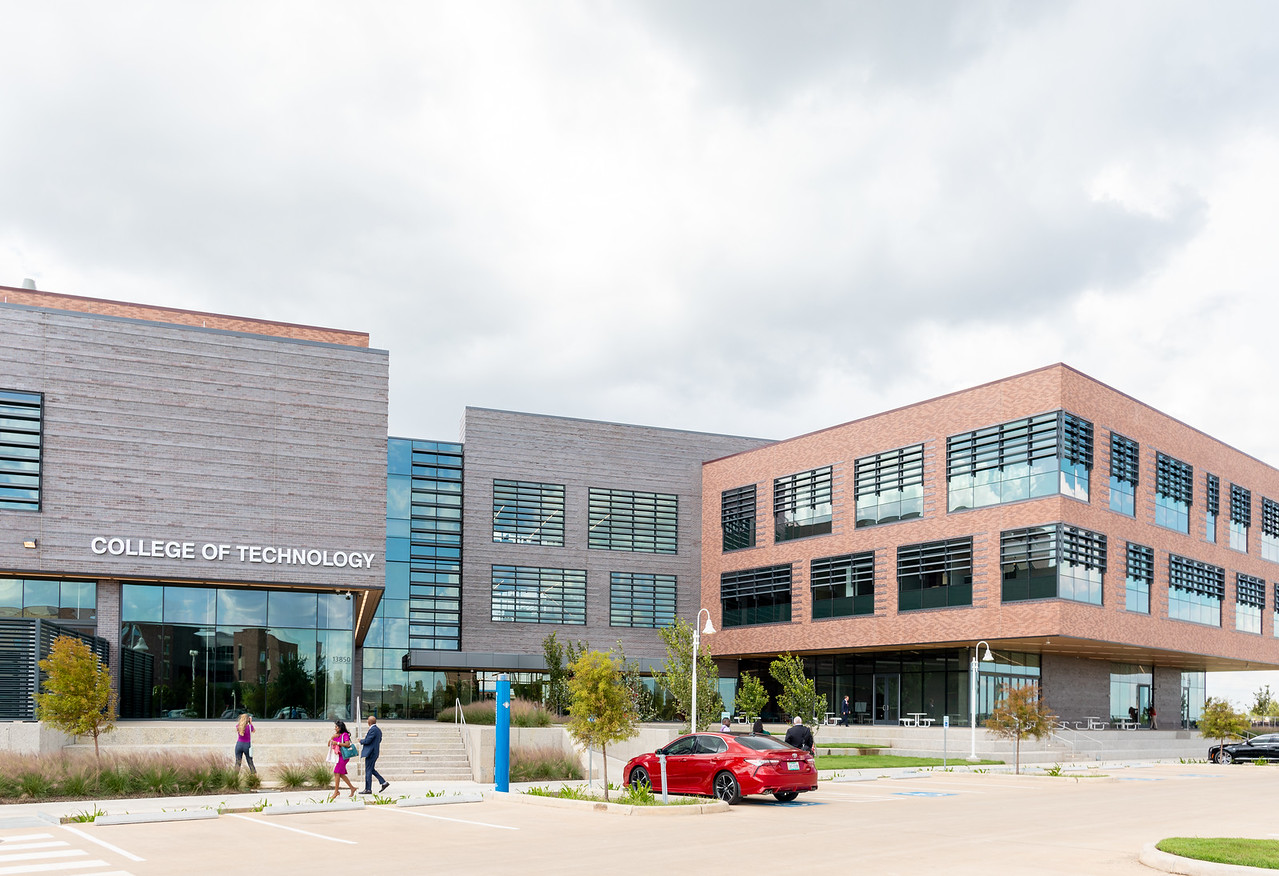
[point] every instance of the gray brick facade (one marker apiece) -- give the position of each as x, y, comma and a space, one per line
172, 438
580, 454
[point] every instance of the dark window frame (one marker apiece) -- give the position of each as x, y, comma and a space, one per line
737, 509
935, 574
843, 586
21, 450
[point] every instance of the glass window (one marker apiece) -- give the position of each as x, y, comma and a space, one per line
21, 415
638, 599
737, 517
141, 603
843, 586
287, 609
936, 574
1240, 517
1212, 507
755, 596
1140, 578
524, 594
433, 555
890, 486
1045, 455
1195, 591
10, 597
1250, 602
189, 605
1052, 561
1174, 485
399, 456
528, 513
625, 520
41, 599
242, 607
1269, 530
1028, 563
1124, 466
79, 600
335, 611
802, 504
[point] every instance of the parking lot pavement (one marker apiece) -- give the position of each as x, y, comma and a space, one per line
957, 823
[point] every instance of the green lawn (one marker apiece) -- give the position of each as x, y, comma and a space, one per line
846, 745
1262, 853
886, 761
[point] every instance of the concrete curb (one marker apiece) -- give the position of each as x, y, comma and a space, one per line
296, 808
440, 801
707, 808
149, 817
1157, 860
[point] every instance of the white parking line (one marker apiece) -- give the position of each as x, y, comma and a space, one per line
47, 868
106, 845
294, 829
443, 818
5, 857
13, 847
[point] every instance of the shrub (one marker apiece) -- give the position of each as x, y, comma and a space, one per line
524, 713
542, 764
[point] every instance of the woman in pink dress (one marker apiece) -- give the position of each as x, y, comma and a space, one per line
339, 738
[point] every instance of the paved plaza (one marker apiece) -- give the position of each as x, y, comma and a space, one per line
935, 822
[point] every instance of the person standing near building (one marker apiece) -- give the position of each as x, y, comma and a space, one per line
244, 742
799, 736
1154, 719
370, 748
845, 712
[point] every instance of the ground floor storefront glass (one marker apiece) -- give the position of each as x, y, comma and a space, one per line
204, 652
887, 687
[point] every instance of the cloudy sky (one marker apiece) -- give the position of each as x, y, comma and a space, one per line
736, 216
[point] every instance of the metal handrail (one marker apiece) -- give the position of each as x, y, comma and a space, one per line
460, 719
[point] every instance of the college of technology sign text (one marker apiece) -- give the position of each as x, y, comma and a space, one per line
243, 553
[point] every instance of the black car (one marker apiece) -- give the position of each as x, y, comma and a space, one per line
1263, 747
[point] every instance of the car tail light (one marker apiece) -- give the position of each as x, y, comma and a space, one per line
757, 761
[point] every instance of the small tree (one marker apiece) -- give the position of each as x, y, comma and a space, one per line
559, 660
78, 699
1263, 702
1020, 712
752, 699
1219, 721
641, 695
678, 677
601, 708
799, 692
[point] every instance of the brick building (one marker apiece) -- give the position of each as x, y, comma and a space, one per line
1104, 548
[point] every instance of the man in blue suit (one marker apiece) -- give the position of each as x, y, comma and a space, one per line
371, 748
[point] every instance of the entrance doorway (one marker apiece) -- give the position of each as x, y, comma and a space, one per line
887, 707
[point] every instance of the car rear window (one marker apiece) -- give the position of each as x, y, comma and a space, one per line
763, 743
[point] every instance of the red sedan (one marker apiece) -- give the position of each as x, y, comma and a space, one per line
726, 766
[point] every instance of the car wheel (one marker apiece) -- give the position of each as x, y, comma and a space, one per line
640, 779
1224, 757
786, 796
727, 789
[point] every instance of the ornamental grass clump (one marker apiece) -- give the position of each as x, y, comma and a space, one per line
543, 764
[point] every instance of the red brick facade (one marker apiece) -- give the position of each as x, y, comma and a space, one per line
172, 315
1048, 627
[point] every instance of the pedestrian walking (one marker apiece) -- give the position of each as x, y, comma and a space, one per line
340, 747
370, 748
244, 742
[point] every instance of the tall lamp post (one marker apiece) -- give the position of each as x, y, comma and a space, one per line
972, 696
697, 644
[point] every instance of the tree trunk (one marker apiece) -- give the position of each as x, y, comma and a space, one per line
604, 757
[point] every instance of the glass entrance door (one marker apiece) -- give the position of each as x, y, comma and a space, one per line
887, 698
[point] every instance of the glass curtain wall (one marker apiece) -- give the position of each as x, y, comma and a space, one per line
204, 652
933, 683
